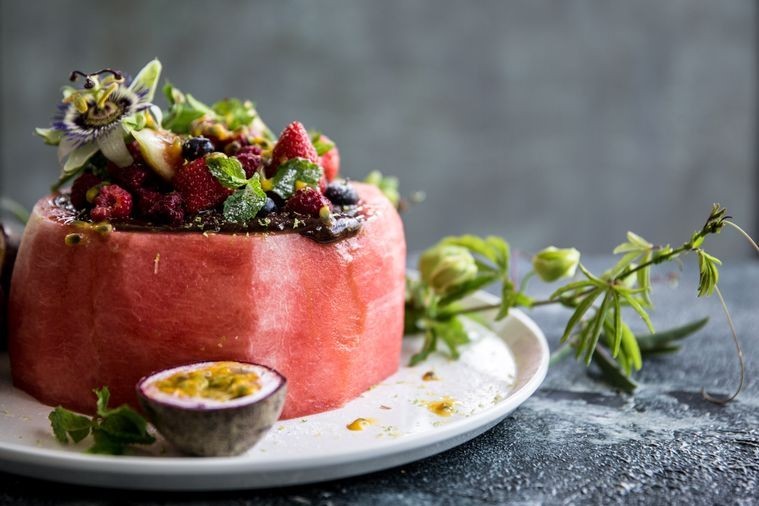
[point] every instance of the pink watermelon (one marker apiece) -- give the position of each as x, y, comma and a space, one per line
113, 308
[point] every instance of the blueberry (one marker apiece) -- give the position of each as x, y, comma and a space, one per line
269, 207
276, 199
195, 147
341, 194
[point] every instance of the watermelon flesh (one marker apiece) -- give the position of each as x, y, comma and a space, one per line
107, 311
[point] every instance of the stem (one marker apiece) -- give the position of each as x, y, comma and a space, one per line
525, 279
744, 233
685, 247
739, 351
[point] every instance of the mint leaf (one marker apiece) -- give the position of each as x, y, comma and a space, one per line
243, 205
387, 185
183, 110
126, 426
105, 444
67, 424
235, 113
113, 430
297, 169
227, 170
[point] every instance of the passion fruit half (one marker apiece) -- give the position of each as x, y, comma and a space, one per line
213, 408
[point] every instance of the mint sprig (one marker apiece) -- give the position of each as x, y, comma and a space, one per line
113, 430
296, 169
183, 110
235, 113
321, 144
248, 199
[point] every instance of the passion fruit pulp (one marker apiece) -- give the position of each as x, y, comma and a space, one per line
213, 408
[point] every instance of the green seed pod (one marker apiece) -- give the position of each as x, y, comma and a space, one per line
445, 267
552, 263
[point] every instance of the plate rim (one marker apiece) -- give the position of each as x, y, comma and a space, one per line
28, 461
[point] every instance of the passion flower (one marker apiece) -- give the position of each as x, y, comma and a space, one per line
98, 116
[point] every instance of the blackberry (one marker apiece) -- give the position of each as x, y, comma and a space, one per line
195, 147
341, 194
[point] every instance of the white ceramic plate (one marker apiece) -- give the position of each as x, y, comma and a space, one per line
495, 374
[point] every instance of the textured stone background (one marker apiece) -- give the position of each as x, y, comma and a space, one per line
549, 121
574, 442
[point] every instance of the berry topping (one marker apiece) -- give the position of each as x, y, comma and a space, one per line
112, 202
330, 161
199, 189
308, 201
250, 162
196, 147
341, 194
134, 177
161, 208
293, 142
80, 188
269, 207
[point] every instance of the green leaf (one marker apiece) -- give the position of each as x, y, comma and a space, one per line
77, 158
708, 273
183, 110
631, 349
228, 171
636, 305
611, 373
467, 288
296, 169
147, 79
596, 326
105, 444
580, 311
51, 136
67, 424
429, 345
234, 112
243, 205
126, 426
591, 277
103, 397
452, 333
575, 286
387, 185
321, 144
655, 341
616, 333
510, 297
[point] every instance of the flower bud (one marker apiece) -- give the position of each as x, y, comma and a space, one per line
446, 267
554, 263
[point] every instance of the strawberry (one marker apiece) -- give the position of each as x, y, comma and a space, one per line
330, 161
293, 142
112, 202
307, 201
80, 187
199, 189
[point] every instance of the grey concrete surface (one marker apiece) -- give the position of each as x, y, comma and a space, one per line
548, 121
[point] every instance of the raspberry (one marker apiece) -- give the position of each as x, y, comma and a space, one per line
134, 177
112, 202
307, 201
330, 161
251, 149
293, 142
250, 162
161, 208
341, 194
80, 187
199, 189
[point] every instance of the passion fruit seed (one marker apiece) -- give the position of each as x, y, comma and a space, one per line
73, 239
103, 228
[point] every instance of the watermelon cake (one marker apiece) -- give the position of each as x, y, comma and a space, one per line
195, 234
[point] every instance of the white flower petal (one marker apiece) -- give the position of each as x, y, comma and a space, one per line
147, 79
114, 148
77, 158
